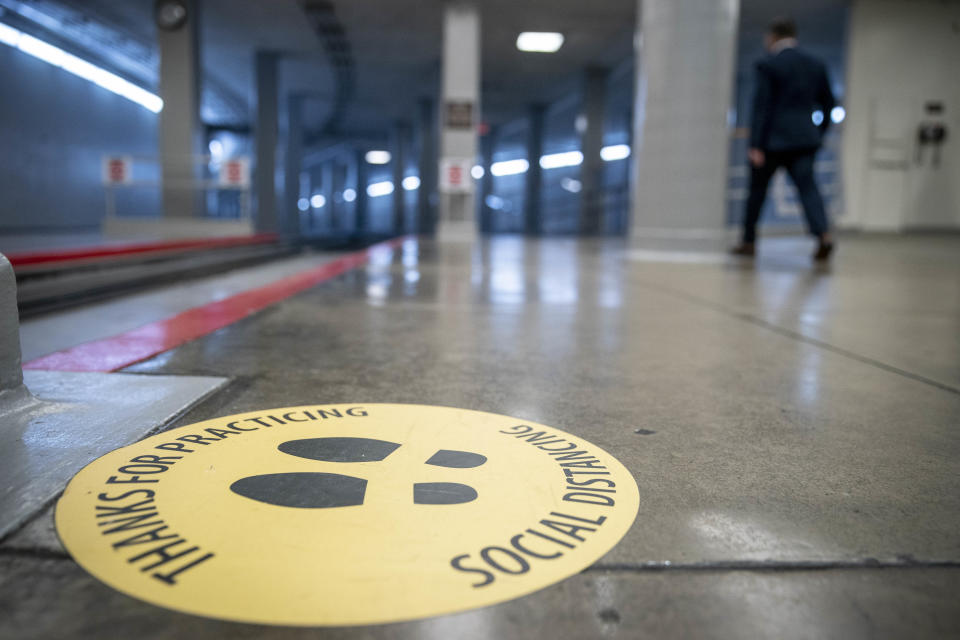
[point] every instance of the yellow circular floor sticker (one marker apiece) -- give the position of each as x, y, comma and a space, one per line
345, 514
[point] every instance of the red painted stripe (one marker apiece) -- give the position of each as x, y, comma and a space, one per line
108, 251
125, 349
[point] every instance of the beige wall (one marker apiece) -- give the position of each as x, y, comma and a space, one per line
901, 54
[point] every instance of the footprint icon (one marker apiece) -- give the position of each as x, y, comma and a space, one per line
315, 490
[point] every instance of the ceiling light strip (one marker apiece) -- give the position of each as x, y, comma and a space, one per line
59, 58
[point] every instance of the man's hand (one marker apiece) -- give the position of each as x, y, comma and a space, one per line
757, 158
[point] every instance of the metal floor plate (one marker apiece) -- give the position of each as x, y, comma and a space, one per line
72, 419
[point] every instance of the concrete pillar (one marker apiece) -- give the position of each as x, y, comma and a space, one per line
11, 376
591, 141
360, 204
291, 166
533, 181
305, 219
181, 135
487, 144
265, 141
460, 104
684, 83
342, 171
398, 159
427, 165
326, 189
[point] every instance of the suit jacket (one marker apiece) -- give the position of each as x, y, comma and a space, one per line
791, 85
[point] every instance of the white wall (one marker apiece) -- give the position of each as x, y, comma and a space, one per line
902, 54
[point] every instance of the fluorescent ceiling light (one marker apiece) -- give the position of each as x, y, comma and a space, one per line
40, 49
349, 195
303, 204
377, 156
317, 201
817, 117
9, 35
509, 167
411, 182
539, 41
477, 172
557, 160
59, 58
380, 189
615, 152
837, 114
571, 185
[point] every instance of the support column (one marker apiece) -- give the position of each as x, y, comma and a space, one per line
533, 183
591, 141
326, 189
306, 220
291, 167
683, 90
460, 91
343, 176
487, 144
399, 162
265, 72
360, 205
181, 139
427, 166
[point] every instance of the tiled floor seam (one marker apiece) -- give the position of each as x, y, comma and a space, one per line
40, 553
37, 553
788, 333
772, 565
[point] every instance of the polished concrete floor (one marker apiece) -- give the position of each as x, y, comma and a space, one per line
794, 430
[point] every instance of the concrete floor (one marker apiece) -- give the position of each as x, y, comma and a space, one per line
792, 429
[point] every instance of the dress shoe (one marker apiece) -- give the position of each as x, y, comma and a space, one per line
823, 252
747, 249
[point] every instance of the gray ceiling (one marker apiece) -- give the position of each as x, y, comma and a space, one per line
394, 49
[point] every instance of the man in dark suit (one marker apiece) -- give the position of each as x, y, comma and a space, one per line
791, 86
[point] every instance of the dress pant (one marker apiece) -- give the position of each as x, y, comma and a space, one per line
799, 165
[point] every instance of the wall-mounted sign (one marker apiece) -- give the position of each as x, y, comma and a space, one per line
458, 115
117, 170
235, 173
455, 175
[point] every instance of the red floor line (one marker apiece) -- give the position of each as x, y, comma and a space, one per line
125, 349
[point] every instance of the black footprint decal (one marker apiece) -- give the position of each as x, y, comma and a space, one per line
303, 490
456, 459
325, 490
443, 493
339, 449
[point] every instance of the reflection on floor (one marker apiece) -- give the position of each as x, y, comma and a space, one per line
792, 428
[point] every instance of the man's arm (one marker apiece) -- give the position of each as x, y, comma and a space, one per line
762, 107
826, 100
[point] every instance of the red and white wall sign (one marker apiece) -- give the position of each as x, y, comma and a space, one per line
235, 173
117, 169
455, 175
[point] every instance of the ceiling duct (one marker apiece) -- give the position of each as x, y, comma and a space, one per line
322, 17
